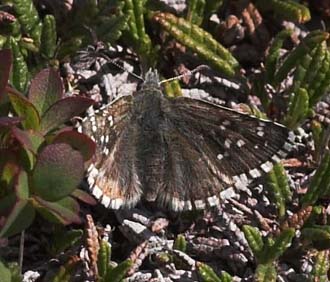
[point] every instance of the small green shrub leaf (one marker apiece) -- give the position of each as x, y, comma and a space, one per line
265, 273
81, 142
207, 273
46, 89
198, 41
319, 181
280, 245
19, 218
58, 171
253, 236
119, 272
48, 37
62, 111
103, 258
180, 243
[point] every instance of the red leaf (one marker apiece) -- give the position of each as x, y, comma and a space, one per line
84, 197
62, 111
46, 89
78, 141
6, 62
58, 171
9, 121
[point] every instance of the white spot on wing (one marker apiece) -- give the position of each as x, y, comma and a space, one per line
267, 166
219, 156
97, 192
199, 204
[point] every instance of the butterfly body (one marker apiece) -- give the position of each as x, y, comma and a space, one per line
179, 152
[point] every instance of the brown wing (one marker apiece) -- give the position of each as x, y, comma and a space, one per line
210, 148
112, 175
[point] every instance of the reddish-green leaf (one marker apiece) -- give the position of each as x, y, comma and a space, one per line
22, 185
19, 218
24, 109
6, 61
62, 111
81, 142
46, 89
9, 121
64, 211
84, 197
22, 137
58, 171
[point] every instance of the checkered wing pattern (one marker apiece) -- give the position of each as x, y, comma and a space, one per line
112, 175
181, 152
217, 148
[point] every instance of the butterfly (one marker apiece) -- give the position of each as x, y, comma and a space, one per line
178, 152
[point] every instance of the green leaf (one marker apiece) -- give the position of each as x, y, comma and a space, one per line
58, 171
119, 272
69, 47
139, 38
25, 109
103, 258
172, 88
298, 108
290, 10
281, 243
318, 235
64, 211
265, 273
180, 243
62, 111
19, 76
48, 37
321, 267
198, 41
312, 40
46, 89
207, 273
65, 239
253, 236
28, 18
278, 185
4, 273
195, 11
274, 54
319, 182
22, 186
19, 218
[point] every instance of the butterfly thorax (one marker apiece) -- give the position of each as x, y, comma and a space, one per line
147, 104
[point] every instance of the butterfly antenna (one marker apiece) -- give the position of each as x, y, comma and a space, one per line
187, 73
111, 61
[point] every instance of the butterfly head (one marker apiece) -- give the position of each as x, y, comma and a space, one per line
151, 79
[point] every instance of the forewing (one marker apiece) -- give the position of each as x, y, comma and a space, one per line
228, 147
112, 174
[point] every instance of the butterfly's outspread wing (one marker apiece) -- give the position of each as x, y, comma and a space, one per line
207, 148
112, 174
180, 153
